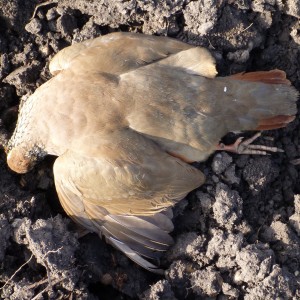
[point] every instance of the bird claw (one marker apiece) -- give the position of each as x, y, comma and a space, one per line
244, 147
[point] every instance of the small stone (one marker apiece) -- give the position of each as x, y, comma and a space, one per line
259, 172
239, 56
230, 291
227, 208
206, 202
206, 282
230, 175
221, 162
106, 279
52, 14
34, 26
159, 290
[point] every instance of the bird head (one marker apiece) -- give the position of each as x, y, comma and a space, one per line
21, 160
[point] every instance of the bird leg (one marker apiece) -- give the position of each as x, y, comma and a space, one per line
245, 147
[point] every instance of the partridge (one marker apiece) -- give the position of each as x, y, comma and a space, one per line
125, 113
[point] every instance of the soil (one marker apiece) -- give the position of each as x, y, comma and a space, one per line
237, 236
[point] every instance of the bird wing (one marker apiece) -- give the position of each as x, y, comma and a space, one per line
121, 52
116, 52
175, 106
124, 192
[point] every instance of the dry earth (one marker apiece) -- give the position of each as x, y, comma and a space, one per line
237, 236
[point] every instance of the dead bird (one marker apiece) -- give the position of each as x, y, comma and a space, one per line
125, 114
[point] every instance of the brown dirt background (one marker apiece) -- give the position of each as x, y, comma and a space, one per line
237, 236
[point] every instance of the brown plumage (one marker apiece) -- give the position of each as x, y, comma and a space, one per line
124, 113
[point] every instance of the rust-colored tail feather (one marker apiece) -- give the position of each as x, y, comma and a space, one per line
270, 77
279, 121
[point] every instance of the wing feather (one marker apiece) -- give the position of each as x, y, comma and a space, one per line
116, 53
146, 180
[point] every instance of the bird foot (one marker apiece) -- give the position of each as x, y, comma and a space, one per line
245, 147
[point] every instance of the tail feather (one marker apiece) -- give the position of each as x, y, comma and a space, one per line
138, 243
269, 100
139, 227
270, 77
160, 221
276, 122
134, 256
134, 244
271, 127
141, 238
